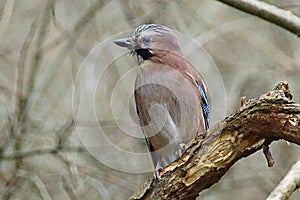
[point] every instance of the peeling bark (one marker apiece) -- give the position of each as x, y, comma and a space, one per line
257, 123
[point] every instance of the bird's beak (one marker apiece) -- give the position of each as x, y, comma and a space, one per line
126, 42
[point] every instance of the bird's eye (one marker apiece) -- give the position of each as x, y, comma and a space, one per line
147, 41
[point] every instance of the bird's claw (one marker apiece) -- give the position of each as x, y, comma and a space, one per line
157, 171
181, 149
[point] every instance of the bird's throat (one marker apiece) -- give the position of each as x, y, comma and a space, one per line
145, 54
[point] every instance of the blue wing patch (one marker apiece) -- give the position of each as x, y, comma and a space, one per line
205, 106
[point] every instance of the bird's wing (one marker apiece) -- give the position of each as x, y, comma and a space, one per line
203, 93
147, 140
150, 147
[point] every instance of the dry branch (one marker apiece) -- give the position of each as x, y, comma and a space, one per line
271, 13
288, 184
273, 116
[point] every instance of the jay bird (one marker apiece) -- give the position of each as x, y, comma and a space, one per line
171, 98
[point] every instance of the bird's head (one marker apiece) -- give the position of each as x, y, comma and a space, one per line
149, 40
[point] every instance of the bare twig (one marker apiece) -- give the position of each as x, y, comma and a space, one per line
64, 133
39, 185
26, 154
38, 54
62, 55
288, 184
6, 15
12, 187
20, 101
68, 186
268, 155
64, 32
271, 13
24, 103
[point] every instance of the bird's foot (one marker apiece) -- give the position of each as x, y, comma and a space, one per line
157, 171
181, 149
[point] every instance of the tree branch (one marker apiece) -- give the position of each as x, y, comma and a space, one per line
271, 13
273, 116
288, 184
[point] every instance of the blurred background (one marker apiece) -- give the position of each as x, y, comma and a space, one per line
66, 119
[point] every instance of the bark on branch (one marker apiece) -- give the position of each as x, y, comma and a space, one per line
257, 123
271, 13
